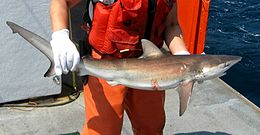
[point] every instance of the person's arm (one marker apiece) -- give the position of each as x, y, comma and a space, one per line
66, 55
59, 13
173, 34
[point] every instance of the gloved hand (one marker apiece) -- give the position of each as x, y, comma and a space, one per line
66, 55
182, 53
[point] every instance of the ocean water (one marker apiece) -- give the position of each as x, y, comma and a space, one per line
234, 29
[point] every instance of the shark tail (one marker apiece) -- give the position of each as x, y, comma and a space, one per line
38, 42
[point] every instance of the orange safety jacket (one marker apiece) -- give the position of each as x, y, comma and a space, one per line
121, 25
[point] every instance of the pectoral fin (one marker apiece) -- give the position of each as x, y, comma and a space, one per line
185, 91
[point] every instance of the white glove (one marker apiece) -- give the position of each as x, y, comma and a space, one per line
66, 55
182, 53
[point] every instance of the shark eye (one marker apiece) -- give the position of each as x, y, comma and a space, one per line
227, 64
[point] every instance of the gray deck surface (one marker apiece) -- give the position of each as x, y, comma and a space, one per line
215, 108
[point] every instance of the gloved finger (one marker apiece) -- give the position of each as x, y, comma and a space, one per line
76, 60
57, 65
63, 61
69, 60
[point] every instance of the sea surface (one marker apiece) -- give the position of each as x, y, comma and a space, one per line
234, 29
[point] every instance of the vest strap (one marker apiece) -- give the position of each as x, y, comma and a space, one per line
150, 19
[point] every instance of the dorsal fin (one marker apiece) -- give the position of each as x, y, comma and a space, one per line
150, 49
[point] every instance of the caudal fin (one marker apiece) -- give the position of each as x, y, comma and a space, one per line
38, 42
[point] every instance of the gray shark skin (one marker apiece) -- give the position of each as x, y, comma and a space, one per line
152, 71
40, 43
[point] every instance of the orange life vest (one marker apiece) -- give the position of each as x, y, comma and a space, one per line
121, 25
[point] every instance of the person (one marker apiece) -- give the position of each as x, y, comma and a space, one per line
116, 30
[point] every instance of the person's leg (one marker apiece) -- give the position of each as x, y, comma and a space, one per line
145, 110
104, 108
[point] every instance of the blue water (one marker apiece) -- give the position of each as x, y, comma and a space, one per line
234, 28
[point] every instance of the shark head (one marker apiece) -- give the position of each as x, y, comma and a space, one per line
216, 66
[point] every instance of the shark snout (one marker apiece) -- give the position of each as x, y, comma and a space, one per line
228, 62
218, 66
232, 60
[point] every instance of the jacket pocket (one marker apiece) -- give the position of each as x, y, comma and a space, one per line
127, 25
97, 35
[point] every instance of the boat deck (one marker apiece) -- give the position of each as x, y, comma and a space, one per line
215, 108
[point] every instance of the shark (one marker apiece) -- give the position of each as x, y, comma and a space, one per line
152, 71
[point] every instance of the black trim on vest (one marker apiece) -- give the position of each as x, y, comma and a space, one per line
86, 16
85, 49
150, 18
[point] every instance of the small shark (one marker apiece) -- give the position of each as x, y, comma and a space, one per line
152, 71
